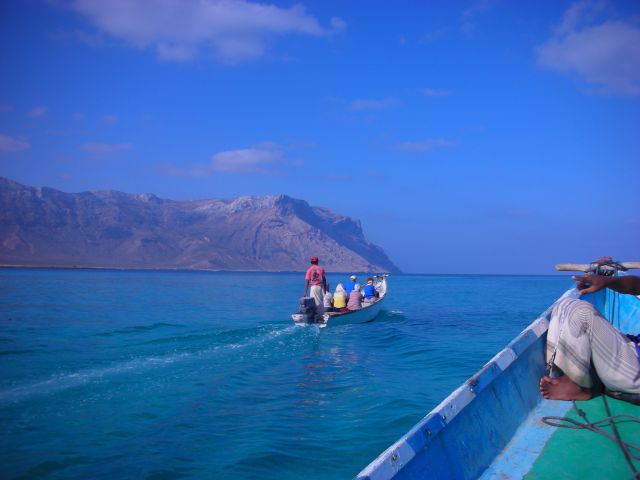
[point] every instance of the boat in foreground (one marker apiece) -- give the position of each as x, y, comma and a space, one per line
367, 313
491, 426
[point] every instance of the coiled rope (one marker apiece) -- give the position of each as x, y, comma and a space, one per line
626, 447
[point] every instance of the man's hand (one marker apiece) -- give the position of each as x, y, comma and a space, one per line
590, 283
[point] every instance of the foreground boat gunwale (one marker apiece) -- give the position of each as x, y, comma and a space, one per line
390, 462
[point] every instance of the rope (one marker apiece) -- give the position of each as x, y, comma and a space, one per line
607, 268
566, 422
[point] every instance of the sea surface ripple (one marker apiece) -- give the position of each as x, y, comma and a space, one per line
162, 375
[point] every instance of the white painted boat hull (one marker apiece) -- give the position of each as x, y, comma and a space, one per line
367, 313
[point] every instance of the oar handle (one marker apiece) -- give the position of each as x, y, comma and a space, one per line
585, 267
573, 267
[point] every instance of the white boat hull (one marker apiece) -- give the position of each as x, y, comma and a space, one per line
366, 314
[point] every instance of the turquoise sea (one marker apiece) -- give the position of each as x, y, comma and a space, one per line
162, 375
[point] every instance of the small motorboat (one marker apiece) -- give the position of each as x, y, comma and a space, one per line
307, 314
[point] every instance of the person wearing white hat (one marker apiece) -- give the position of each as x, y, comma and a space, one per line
348, 286
355, 298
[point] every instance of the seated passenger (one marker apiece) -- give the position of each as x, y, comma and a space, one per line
355, 298
348, 287
340, 299
328, 300
592, 352
380, 285
370, 293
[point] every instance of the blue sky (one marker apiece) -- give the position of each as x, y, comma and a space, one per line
468, 137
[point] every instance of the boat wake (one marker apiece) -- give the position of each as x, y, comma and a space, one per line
65, 381
139, 329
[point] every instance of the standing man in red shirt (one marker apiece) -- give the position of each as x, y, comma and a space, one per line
315, 278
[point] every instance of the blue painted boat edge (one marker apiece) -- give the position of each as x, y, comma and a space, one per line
528, 442
426, 432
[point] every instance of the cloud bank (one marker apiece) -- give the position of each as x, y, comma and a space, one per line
109, 119
247, 160
12, 144
603, 52
263, 158
37, 112
425, 146
104, 149
432, 92
179, 30
374, 104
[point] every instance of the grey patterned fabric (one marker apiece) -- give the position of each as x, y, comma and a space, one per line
589, 350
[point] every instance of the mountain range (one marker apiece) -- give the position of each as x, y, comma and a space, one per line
41, 226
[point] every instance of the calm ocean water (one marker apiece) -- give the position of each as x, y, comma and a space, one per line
123, 374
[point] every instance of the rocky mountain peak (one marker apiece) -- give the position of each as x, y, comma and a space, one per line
44, 226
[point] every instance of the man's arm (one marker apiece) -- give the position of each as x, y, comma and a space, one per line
592, 283
307, 280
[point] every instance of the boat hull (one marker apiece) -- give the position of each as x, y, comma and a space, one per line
490, 426
367, 313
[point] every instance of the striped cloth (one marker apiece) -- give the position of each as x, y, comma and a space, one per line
589, 350
317, 292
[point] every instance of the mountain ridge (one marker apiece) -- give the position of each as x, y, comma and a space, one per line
42, 226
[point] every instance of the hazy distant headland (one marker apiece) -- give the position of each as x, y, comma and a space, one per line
41, 226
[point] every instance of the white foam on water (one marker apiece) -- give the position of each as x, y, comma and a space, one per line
65, 381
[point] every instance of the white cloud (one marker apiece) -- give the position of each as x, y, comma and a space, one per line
477, 7
78, 115
604, 53
376, 174
247, 160
469, 15
374, 104
103, 149
431, 92
580, 14
179, 30
335, 177
12, 144
425, 146
109, 119
37, 112
338, 24
264, 158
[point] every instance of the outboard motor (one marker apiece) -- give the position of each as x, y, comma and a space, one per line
308, 310
308, 307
